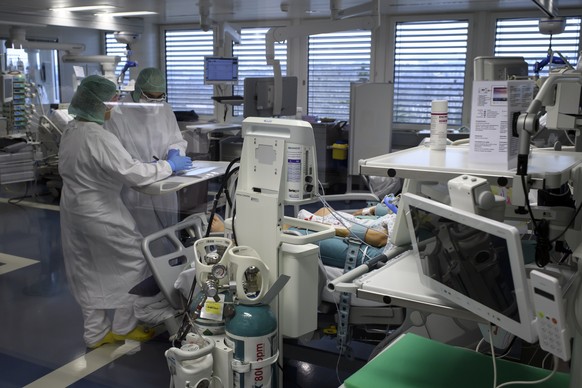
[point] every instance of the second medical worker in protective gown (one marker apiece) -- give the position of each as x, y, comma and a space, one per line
101, 242
147, 127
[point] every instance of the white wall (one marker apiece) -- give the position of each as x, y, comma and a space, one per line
146, 50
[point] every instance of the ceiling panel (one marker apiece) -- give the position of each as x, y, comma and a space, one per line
188, 11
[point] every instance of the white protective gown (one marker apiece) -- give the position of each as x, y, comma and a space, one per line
146, 131
101, 242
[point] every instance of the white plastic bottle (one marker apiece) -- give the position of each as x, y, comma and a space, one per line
299, 113
439, 118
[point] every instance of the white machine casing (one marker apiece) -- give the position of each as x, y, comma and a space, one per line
280, 148
201, 248
473, 194
191, 365
262, 192
563, 106
550, 321
241, 259
300, 263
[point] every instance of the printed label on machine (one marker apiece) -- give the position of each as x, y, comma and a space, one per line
294, 165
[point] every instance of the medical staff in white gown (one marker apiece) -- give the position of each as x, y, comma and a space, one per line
147, 127
101, 242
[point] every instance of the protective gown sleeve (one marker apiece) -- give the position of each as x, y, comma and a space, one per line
116, 161
176, 139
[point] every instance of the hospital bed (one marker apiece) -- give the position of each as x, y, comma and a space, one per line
171, 268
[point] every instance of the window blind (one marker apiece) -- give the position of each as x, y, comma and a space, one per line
521, 37
185, 52
429, 64
335, 61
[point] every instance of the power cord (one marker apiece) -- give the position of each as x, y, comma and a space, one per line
541, 230
493, 355
533, 382
543, 245
503, 355
223, 188
340, 354
516, 382
17, 200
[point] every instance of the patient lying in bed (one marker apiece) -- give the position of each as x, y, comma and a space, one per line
372, 225
376, 235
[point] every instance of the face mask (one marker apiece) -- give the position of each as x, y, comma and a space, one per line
109, 106
149, 106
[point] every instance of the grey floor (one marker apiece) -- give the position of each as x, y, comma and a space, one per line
41, 341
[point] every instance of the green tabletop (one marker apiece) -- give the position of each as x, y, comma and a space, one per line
416, 362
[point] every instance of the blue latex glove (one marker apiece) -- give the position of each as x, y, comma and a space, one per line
173, 152
178, 162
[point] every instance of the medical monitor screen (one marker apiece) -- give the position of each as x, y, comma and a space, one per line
6, 88
259, 97
473, 261
220, 70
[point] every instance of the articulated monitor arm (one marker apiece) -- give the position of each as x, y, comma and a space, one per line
528, 122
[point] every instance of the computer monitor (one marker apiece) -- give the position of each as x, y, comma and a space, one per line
259, 94
499, 68
220, 70
473, 261
6, 88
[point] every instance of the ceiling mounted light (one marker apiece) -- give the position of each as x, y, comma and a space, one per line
20, 24
133, 13
84, 8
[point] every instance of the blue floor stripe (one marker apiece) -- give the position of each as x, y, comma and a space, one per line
17, 373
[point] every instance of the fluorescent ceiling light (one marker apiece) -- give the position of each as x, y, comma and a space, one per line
134, 13
84, 8
20, 24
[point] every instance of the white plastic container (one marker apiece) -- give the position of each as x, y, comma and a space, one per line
439, 119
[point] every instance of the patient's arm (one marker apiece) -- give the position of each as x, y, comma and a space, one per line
372, 237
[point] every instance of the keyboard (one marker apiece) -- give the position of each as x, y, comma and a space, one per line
227, 98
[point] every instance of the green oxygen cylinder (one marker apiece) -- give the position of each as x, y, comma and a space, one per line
252, 334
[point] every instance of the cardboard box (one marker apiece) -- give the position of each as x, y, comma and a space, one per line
495, 108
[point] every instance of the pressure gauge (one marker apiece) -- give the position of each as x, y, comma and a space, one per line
212, 257
219, 271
